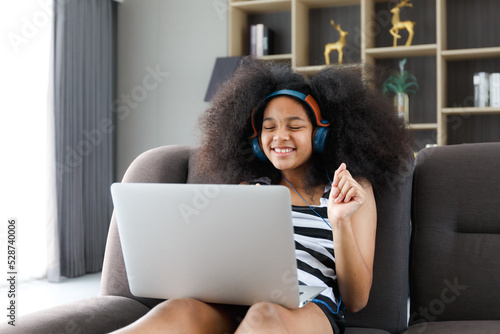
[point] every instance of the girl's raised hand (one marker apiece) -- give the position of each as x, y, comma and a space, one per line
346, 196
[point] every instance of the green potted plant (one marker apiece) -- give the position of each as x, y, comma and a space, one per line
401, 83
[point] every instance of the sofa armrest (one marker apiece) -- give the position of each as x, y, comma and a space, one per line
101, 314
165, 164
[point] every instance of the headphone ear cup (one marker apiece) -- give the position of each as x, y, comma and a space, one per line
320, 139
257, 150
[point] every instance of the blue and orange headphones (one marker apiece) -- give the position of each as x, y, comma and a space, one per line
320, 134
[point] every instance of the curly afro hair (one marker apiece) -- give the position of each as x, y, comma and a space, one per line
366, 133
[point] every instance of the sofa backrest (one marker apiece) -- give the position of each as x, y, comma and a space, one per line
387, 307
455, 246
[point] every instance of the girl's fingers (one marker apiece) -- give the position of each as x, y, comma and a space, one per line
344, 188
337, 176
341, 181
339, 198
343, 177
335, 192
350, 194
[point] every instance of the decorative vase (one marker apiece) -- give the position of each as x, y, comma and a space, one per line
401, 102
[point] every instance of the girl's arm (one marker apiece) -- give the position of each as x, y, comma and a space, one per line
353, 215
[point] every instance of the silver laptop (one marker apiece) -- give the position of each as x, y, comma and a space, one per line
228, 244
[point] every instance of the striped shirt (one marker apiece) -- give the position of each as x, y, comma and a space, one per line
314, 251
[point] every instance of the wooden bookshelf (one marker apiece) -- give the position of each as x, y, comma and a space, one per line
441, 45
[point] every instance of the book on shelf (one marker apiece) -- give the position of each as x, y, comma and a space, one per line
261, 40
495, 89
253, 40
481, 89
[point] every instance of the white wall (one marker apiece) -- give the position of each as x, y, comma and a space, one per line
166, 53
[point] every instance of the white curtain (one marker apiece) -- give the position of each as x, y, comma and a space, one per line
27, 190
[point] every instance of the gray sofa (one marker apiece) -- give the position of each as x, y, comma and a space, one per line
455, 244
451, 247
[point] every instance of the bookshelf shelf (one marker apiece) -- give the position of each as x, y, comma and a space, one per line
278, 57
476, 53
262, 6
422, 126
323, 3
309, 70
403, 51
471, 110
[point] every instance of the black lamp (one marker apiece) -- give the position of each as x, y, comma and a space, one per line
223, 69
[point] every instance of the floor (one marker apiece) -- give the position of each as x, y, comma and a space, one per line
40, 294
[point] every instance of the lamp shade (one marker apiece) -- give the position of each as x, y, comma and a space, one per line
224, 68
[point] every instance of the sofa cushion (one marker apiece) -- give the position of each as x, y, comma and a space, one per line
455, 327
360, 330
455, 267
387, 306
92, 315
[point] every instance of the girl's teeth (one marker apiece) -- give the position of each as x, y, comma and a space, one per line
287, 150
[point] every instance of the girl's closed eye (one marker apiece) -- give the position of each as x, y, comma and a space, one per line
268, 125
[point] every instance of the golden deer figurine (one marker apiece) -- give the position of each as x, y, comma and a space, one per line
397, 24
338, 45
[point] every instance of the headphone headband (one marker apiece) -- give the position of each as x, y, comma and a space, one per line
320, 134
307, 99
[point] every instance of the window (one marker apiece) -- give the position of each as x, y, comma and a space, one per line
25, 176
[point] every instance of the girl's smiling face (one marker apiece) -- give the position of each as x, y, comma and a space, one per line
286, 136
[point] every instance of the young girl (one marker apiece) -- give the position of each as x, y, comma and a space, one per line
334, 142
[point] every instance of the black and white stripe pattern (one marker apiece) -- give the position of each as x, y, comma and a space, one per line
314, 251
